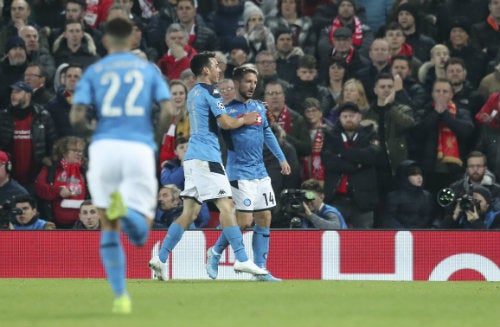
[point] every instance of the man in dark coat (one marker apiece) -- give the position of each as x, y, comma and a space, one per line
349, 155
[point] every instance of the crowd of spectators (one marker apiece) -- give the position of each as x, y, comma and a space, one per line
383, 104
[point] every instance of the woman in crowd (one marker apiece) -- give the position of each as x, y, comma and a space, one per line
352, 91
62, 185
179, 125
336, 79
290, 16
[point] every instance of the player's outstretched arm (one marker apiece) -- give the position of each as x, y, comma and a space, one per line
227, 122
78, 119
167, 111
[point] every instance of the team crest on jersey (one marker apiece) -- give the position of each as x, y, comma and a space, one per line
247, 202
221, 105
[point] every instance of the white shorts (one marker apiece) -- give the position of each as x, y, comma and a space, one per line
123, 166
205, 181
253, 195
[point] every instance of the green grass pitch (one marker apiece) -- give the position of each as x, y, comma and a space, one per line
87, 302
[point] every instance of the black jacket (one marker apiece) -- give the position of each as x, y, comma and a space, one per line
427, 132
413, 94
489, 144
408, 206
205, 38
485, 37
357, 162
43, 132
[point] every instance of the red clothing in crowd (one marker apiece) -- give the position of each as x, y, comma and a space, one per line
172, 68
68, 175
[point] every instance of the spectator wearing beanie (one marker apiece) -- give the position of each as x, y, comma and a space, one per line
259, 36
12, 67
409, 205
459, 44
409, 19
486, 34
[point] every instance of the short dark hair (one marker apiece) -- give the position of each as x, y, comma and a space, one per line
402, 57
383, 76
476, 154
455, 61
81, 3
312, 185
339, 62
25, 198
240, 71
200, 61
311, 102
119, 28
393, 26
73, 21
180, 140
87, 202
307, 61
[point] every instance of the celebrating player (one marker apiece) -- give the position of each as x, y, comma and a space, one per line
205, 176
250, 183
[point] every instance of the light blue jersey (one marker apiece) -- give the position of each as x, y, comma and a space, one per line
245, 144
205, 105
123, 88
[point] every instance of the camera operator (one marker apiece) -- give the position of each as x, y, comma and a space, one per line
316, 213
8, 186
476, 173
8, 189
473, 212
26, 215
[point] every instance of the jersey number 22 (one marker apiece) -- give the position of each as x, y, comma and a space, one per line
114, 83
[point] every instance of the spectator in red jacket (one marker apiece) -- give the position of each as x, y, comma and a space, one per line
63, 183
179, 53
487, 114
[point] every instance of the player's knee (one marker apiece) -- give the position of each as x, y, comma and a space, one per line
244, 224
138, 239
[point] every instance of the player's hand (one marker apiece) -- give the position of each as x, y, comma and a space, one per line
285, 168
250, 118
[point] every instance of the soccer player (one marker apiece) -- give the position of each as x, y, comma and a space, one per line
250, 183
122, 170
205, 176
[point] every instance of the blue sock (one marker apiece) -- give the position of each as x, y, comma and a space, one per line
260, 245
134, 225
113, 259
173, 237
234, 236
221, 244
